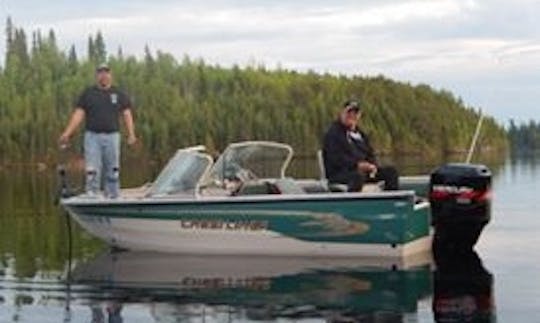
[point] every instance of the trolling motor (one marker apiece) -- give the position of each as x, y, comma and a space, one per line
64, 190
460, 197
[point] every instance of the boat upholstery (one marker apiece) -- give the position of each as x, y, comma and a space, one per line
259, 187
340, 188
271, 186
288, 186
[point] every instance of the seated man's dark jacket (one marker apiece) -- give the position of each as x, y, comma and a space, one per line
342, 154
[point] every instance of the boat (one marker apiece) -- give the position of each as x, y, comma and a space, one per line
245, 204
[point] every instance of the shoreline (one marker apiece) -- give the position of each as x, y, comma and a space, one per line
77, 162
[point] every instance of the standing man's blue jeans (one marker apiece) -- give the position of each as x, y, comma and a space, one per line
102, 159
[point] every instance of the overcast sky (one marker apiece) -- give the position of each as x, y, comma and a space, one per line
485, 51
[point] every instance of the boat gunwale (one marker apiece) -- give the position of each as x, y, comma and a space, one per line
267, 198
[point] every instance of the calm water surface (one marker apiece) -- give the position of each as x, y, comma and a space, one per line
501, 282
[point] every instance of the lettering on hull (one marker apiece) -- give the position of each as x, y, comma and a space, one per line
251, 225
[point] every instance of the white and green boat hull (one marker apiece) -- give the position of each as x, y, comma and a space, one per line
388, 224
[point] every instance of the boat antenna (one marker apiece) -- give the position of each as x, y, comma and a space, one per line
475, 139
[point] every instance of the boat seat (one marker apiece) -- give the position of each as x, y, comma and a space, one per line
257, 188
288, 186
331, 187
215, 191
311, 186
373, 187
322, 169
339, 188
277, 186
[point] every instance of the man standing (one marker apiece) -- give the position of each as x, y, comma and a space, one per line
348, 156
101, 107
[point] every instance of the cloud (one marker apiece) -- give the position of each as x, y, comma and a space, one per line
471, 47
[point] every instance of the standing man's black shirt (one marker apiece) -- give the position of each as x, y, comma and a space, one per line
102, 108
343, 150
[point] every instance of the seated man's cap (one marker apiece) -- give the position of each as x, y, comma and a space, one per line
352, 105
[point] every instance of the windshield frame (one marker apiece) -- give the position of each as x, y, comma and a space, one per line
216, 174
198, 151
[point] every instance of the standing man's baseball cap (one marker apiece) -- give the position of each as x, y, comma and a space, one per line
352, 106
103, 67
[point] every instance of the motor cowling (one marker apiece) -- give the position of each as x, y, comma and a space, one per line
460, 197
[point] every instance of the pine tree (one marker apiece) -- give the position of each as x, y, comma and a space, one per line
51, 40
9, 36
91, 50
72, 59
100, 48
120, 53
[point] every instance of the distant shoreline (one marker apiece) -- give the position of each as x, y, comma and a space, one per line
76, 162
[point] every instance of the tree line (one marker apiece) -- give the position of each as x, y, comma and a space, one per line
525, 136
187, 102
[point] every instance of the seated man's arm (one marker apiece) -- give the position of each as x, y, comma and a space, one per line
371, 157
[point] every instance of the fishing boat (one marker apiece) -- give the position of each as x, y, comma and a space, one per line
244, 204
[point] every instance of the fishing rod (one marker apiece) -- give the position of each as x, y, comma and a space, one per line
472, 147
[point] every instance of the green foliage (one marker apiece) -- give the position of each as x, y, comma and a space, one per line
191, 102
524, 137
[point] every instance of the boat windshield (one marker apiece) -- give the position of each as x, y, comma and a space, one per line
182, 173
252, 160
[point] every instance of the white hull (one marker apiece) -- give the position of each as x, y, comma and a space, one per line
169, 236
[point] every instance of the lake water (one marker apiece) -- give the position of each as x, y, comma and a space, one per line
499, 283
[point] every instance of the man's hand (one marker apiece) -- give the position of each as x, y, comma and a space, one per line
64, 139
367, 167
76, 118
128, 121
132, 140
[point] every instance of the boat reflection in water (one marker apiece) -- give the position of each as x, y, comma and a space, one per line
463, 288
221, 288
256, 288
165, 288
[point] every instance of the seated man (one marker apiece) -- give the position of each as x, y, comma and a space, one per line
348, 156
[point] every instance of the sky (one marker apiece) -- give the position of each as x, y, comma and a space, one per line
485, 51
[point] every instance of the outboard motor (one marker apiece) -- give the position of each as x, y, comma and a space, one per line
460, 197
